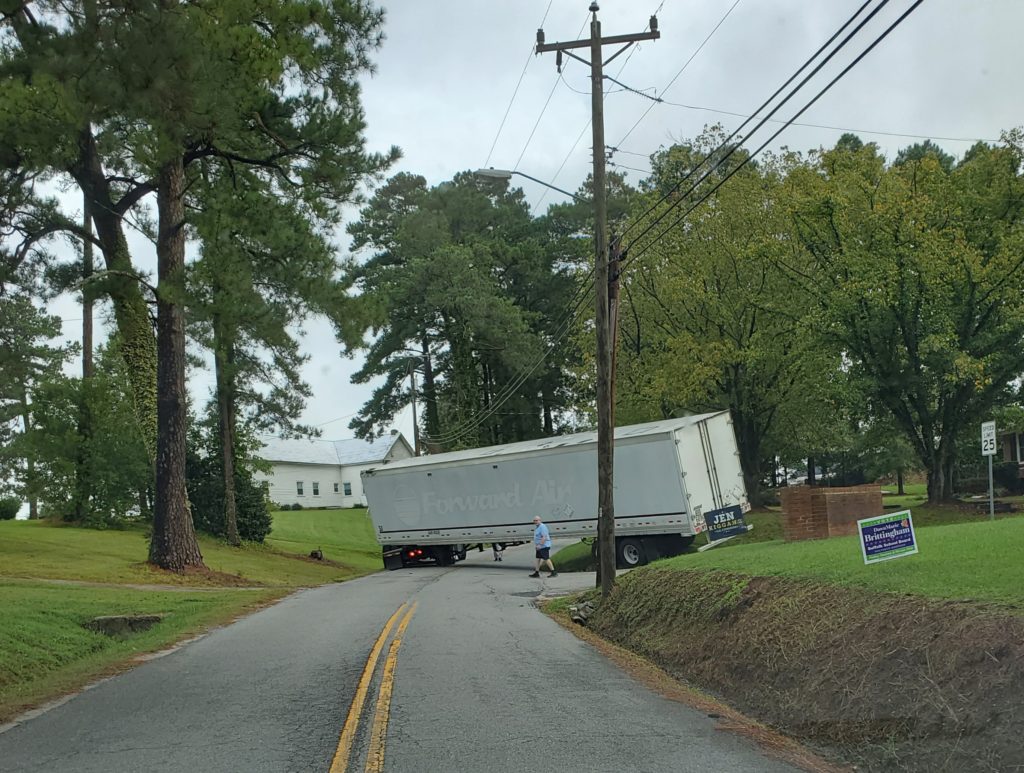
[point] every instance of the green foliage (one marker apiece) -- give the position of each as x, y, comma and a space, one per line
114, 454
709, 321
9, 508
205, 471
28, 362
459, 284
296, 506
917, 277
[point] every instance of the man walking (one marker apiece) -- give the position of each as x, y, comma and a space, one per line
542, 543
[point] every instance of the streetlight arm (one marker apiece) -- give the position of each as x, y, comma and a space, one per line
505, 174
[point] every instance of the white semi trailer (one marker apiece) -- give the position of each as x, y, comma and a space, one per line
667, 474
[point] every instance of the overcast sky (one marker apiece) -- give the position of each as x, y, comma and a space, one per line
448, 69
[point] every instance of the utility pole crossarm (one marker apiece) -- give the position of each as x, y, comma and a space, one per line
543, 48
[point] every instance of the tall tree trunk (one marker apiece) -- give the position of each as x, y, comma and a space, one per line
431, 420
812, 477
82, 476
940, 474
549, 424
134, 328
749, 442
173, 545
30, 462
899, 483
223, 358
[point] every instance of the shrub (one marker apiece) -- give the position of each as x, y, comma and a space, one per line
284, 507
296, 506
9, 507
206, 492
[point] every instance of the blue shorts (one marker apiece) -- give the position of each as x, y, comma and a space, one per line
543, 553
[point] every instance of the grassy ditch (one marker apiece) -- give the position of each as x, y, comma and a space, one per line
45, 651
884, 681
911, 664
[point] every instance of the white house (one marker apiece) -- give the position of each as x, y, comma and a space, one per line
324, 473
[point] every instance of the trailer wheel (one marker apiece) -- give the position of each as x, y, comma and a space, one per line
630, 552
444, 555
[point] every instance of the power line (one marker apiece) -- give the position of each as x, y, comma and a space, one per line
515, 91
792, 123
561, 166
564, 325
725, 143
544, 109
537, 123
339, 418
630, 168
765, 144
583, 131
681, 69
509, 391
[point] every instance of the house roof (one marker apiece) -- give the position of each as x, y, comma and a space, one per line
332, 452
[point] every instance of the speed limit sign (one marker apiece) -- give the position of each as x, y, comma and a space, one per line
988, 438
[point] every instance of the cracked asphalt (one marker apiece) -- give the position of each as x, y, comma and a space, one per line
484, 682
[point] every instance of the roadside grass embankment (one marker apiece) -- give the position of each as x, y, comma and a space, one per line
46, 652
54, 578
767, 525
344, 536
911, 664
965, 561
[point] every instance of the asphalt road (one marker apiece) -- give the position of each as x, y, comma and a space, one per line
480, 681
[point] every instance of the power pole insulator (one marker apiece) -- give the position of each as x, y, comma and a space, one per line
540, 38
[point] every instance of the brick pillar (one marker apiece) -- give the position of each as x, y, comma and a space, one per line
804, 513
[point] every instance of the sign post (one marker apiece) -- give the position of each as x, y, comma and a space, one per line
988, 448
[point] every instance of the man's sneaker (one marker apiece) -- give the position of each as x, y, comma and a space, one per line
553, 574
535, 574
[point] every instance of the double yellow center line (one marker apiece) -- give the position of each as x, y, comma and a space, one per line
378, 733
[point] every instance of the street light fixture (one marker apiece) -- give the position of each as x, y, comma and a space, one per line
506, 174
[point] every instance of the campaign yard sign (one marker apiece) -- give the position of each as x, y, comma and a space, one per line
726, 522
887, 536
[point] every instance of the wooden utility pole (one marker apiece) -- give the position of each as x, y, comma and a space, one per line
85, 428
605, 391
415, 423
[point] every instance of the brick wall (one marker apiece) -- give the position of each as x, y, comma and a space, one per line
816, 513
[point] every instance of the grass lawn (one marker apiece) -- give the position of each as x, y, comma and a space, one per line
343, 535
40, 549
45, 651
979, 561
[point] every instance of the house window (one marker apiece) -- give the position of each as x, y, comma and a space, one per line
316, 489
298, 487
335, 488
348, 489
